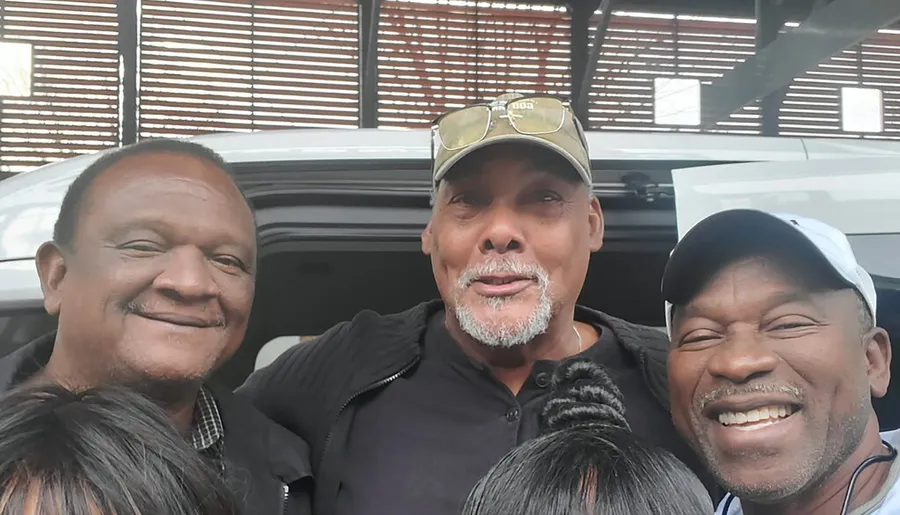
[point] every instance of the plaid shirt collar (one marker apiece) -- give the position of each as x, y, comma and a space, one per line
207, 431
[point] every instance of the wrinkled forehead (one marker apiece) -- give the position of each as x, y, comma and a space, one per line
511, 159
172, 190
761, 279
142, 169
772, 267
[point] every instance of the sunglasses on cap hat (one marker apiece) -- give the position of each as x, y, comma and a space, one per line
541, 120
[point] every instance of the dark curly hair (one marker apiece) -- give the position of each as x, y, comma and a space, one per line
587, 461
105, 450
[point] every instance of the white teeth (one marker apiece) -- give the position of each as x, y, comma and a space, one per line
754, 416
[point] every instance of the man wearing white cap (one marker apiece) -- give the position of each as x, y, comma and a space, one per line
775, 358
406, 412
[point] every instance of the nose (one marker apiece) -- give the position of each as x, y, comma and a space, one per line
744, 356
502, 233
187, 276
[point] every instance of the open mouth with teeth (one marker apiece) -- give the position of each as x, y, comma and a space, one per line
758, 417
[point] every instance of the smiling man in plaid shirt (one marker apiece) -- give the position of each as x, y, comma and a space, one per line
151, 275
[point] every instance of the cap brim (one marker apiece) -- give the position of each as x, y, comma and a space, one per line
709, 245
514, 138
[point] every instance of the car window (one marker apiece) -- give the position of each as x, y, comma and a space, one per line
17, 328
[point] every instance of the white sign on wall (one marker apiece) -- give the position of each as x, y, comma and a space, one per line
15, 69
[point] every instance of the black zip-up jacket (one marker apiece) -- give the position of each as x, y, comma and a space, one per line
268, 467
311, 388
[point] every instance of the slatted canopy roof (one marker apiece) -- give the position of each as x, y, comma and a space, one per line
243, 65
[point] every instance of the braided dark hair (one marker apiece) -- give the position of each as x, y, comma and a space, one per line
587, 460
583, 394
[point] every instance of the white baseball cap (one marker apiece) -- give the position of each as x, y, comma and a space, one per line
696, 255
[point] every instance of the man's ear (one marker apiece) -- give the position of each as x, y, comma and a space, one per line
595, 219
427, 239
878, 358
51, 268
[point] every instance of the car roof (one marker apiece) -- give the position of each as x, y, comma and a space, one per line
32, 199
331, 145
29, 202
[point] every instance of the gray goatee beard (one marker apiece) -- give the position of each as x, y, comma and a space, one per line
493, 330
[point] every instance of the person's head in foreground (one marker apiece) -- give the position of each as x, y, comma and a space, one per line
587, 462
514, 220
150, 271
775, 358
105, 451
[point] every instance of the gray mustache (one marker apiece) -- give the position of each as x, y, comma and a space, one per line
723, 392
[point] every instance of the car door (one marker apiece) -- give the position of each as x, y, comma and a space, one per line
861, 197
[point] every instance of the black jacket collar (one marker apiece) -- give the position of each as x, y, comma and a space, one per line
648, 345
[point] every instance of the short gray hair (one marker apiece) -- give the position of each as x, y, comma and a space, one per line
866, 318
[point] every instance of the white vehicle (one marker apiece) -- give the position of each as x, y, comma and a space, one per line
340, 214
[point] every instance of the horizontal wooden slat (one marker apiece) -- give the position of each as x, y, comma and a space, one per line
637, 50
242, 65
435, 56
705, 50
813, 105
74, 104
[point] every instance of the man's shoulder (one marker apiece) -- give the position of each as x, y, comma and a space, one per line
368, 332
634, 337
25, 361
316, 374
647, 345
250, 435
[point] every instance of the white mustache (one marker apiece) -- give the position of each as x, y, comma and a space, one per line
510, 266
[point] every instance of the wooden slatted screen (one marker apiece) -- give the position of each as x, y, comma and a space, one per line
435, 55
640, 47
881, 68
812, 105
74, 104
243, 65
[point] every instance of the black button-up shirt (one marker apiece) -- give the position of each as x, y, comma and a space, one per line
419, 445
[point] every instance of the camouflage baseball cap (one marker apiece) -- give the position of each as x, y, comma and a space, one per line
543, 121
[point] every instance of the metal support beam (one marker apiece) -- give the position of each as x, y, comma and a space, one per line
578, 60
129, 33
769, 20
369, 12
582, 103
2, 103
828, 30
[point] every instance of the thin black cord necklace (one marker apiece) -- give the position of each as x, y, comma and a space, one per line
890, 456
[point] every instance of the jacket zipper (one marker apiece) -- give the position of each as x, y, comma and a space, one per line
284, 500
369, 388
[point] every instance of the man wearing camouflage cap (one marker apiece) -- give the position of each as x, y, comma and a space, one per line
406, 412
